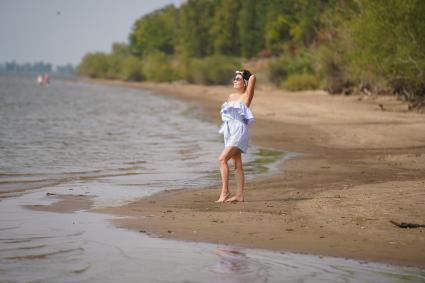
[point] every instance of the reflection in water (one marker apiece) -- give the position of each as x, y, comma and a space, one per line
235, 265
230, 261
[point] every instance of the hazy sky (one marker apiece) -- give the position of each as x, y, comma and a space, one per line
62, 31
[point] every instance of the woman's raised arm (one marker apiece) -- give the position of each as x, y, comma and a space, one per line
249, 94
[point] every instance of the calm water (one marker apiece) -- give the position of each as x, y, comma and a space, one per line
74, 131
117, 144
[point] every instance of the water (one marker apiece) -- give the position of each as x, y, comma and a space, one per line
70, 131
116, 144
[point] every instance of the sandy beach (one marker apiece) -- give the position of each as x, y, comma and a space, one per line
362, 165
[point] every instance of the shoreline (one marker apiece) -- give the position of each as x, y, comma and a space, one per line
360, 168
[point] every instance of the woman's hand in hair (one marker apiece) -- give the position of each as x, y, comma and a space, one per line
246, 75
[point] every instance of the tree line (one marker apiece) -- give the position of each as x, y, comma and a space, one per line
37, 67
338, 45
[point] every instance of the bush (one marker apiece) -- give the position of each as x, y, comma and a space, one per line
114, 63
131, 69
94, 65
277, 70
157, 67
301, 82
390, 40
211, 70
282, 67
333, 66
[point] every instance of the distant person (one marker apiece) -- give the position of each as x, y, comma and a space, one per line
46, 79
236, 117
40, 79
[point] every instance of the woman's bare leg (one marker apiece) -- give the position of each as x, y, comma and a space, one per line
224, 157
240, 177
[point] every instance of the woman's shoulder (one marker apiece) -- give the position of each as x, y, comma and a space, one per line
235, 97
232, 96
237, 103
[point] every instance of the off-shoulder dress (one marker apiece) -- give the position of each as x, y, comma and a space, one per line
236, 117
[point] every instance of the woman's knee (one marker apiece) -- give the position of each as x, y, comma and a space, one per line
226, 155
238, 167
222, 159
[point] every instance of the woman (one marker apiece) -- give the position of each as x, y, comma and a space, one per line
236, 117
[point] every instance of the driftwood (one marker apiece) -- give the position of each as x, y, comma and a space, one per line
407, 225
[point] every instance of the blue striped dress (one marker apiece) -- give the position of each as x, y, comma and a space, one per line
236, 117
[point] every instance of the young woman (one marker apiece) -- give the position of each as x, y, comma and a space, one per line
236, 117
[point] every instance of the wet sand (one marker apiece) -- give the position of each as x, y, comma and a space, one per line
362, 165
64, 204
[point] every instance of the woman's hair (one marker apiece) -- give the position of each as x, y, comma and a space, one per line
245, 75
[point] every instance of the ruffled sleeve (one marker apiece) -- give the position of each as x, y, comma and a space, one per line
246, 113
243, 112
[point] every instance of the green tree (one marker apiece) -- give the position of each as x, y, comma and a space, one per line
195, 20
224, 30
390, 39
307, 23
120, 49
335, 46
280, 18
251, 27
154, 32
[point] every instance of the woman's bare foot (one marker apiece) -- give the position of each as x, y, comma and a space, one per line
235, 199
223, 198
